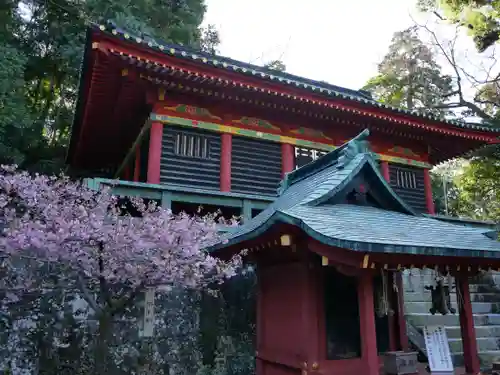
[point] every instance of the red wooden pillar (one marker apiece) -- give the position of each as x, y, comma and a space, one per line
403, 335
259, 363
154, 156
367, 324
385, 170
137, 164
428, 192
471, 358
126, 173
225, 161
392, 318
287, 158
310, 314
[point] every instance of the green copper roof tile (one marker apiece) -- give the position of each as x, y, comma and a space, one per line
305, 201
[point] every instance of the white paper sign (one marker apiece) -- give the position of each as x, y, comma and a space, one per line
438, 349
148, 324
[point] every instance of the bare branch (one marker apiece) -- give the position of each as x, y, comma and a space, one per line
450, 56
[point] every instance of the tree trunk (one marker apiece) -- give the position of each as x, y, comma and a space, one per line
102, 350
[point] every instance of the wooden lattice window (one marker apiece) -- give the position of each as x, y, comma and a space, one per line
406, 179
192, 146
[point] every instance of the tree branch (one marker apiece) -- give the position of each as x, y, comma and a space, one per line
450, 58
87, 295
126, 301
103, 285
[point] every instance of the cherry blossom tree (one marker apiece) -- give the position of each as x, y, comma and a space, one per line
97, 247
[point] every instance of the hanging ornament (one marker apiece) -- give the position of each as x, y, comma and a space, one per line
383, 305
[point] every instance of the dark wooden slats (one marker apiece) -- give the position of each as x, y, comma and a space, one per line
256, 166
190, 157
408, 183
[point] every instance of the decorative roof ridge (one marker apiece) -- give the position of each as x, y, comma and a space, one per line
285, 77
329, 90
367, 158
341, 156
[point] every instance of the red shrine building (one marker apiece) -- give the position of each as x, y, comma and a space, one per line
333, 187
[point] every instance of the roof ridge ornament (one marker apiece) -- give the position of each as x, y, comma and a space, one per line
357, 145
339, 157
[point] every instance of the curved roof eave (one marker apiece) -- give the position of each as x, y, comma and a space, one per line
359, 246
263, 73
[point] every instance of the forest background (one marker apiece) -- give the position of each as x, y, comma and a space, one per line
41, 47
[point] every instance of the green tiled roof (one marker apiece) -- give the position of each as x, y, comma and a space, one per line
307, 200
265, 74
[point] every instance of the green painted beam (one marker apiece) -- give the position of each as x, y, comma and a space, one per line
166, 200
198, 198
167, 194
247, 210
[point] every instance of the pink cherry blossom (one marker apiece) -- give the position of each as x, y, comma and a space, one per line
58, 220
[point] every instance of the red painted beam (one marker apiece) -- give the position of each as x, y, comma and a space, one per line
421, 261
154, 156
225, 161
471, 358
336, 255
428, 192
278, 90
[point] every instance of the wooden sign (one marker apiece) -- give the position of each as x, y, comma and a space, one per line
306, 155
148, 324
438, 349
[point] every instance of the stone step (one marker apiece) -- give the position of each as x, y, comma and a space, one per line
420, 320
453, 332
483, 288
473, 288
485, 358
477, 307
493, 277
475, 297
484, 344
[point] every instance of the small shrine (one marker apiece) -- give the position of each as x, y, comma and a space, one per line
329, 253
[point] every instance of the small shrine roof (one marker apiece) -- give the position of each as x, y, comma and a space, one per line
313, 199
318, 87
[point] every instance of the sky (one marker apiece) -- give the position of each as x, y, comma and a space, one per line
336, 41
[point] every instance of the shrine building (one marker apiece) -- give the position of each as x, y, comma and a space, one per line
333, 187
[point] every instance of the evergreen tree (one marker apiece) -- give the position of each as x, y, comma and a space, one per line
277, 65
481, 18
41, 49
409, 77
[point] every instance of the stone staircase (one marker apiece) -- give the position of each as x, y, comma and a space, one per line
485, 295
